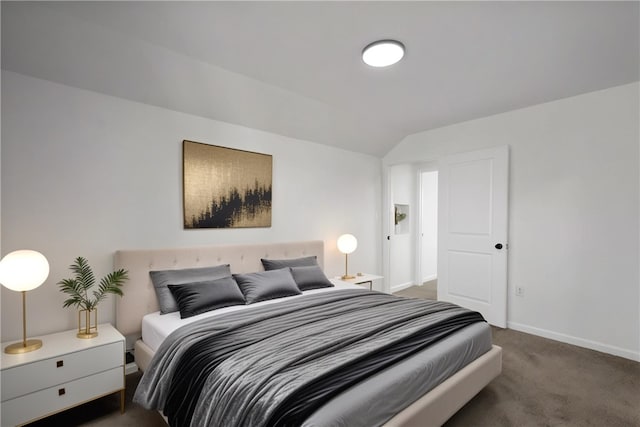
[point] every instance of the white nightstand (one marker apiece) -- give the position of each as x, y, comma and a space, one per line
67, 371
364, 278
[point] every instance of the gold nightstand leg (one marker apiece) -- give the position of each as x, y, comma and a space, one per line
122, 401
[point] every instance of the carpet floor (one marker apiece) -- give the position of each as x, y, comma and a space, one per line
428, 290
543, 383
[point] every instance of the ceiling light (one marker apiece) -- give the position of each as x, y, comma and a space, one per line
383, 53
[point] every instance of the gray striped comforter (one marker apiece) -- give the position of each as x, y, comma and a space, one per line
276, 364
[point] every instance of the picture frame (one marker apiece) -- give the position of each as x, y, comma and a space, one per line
225, 187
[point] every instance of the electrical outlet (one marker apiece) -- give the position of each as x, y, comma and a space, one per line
519, 291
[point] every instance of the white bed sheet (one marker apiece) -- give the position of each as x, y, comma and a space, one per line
157, 327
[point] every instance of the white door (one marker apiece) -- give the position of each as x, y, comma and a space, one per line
472, 231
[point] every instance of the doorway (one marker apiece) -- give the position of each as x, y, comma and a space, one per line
413, 237
427, 252
471, 232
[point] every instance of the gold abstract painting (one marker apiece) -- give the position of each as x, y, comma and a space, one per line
225, 187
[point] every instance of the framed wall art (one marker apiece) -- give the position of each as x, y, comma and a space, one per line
225, 188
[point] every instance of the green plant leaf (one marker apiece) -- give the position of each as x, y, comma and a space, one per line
111, 284
83, 273
83, 280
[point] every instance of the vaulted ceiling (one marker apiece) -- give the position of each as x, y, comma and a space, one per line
294, 68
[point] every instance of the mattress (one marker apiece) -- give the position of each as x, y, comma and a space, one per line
381, 396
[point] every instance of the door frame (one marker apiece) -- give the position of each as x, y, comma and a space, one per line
388, 225
421, 168
387, 197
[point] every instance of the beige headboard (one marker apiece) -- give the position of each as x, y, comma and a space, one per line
140, 298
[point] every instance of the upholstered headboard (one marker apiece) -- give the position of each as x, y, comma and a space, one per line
139, 296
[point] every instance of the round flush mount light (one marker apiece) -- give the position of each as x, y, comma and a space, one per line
383, 53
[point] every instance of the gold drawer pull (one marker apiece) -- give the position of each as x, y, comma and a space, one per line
59, 363
61, 391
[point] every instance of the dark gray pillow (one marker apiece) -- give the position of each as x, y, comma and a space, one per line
200, 297
163, 278
265, 285
311, 277
277, 264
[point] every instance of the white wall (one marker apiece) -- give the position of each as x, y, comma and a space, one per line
401, 255
85, 174
429, 225
573, 212
43, 40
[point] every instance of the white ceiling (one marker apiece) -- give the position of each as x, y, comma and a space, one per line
294, 68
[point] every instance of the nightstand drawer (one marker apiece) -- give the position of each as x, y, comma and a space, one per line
63, 396
31, 377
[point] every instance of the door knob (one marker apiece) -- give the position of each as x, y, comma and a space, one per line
498, 245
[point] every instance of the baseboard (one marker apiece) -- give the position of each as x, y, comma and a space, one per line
429, 278
580, 342
130, 368
401, 286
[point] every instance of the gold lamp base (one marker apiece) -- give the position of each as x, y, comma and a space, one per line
23, 347
347, 276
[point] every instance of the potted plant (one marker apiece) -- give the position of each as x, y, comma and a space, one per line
78, 288
399, 216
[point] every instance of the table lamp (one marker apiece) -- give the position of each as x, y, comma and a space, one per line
347, 243
23, 271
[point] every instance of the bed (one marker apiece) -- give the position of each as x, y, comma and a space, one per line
135, 317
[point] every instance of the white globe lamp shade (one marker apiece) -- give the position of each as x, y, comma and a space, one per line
347, 243
23, 270
383, 53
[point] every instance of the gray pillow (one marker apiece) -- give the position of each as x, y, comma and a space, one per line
277, 264
265, 285
163, 278
200, 297
311, 277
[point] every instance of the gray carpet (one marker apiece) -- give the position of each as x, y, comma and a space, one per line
548, 383
543, 383
428, 290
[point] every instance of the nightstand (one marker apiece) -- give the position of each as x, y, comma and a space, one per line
66, 372
365, 278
